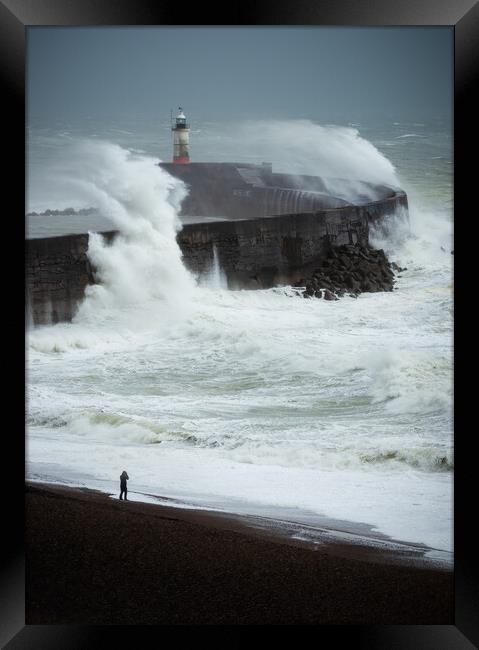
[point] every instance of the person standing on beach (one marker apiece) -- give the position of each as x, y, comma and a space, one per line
123, 479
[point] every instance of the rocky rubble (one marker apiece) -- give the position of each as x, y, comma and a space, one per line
350, 269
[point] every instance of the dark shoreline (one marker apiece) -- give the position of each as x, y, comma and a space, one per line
95, 560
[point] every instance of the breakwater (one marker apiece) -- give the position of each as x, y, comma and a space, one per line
258, 252
352, 269
247, 191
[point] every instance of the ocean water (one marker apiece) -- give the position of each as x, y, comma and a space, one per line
249, 401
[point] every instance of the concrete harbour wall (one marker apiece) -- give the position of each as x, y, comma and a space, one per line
253, 253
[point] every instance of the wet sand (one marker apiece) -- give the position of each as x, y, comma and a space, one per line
91, 559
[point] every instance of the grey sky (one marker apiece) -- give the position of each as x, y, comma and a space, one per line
321, 73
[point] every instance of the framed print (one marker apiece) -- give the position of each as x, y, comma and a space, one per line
240, 318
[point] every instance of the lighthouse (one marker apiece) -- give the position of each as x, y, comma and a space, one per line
181, 139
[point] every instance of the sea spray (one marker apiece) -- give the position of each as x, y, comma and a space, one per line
339, 154
419, 238
215, 278
141, 271
306, 147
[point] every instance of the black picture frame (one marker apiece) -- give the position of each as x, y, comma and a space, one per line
15, 17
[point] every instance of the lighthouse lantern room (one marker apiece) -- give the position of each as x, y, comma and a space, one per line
181, 139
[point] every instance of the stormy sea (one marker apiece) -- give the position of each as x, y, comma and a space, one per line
258, 402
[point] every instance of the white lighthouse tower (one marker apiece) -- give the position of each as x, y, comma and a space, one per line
181, 139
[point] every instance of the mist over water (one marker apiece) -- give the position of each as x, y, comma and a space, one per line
330, 151
342, 408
